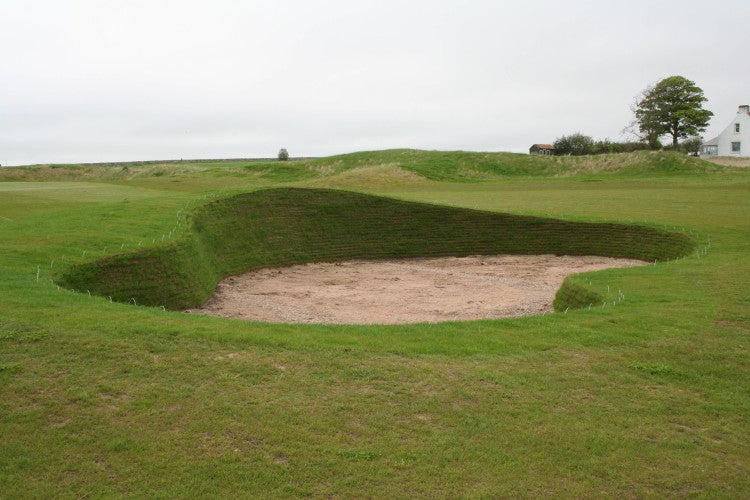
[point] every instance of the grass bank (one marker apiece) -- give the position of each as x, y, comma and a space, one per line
288, 226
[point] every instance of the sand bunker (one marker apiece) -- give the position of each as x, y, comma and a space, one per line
402, 291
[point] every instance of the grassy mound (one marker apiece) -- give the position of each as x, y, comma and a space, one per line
453, 166
290, 226
472, 166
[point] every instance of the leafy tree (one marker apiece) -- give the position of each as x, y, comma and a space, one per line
574, 144
674, 107
629, 147
644, 126
606, 146
283, 154
692, 144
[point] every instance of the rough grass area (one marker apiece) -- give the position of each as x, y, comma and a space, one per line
293, 226
729, 161
466, 166
377, 169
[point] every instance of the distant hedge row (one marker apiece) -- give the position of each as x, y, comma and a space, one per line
579, 144
291, 226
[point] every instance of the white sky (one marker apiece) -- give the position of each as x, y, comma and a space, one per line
84, 81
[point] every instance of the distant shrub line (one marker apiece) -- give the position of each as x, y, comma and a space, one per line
279, 227
579, 144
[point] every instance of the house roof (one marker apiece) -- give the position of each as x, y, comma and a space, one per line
712, 142
544, 146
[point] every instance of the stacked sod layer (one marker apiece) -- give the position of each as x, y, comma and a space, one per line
278, 227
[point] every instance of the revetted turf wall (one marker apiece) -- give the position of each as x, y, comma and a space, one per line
291, 226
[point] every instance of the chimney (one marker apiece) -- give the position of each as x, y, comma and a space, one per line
744, 108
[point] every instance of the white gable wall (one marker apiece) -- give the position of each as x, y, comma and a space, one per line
728, 135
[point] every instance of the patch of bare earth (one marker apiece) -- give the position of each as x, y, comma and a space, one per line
402, 290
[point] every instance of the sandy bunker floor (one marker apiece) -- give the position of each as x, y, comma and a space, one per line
402, 291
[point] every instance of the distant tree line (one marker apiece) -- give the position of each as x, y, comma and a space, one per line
673, 107
579, 144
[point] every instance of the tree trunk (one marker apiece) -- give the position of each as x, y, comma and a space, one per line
674, 142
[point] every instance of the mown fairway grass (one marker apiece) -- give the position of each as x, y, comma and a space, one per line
646, 397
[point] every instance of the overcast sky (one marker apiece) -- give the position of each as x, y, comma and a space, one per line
84, 81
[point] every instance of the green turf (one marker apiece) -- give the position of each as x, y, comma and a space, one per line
644, 395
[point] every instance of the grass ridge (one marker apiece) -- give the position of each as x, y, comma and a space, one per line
453, 166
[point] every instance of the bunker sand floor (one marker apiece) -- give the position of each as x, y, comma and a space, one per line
402, 290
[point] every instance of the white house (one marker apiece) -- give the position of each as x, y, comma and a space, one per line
734, 140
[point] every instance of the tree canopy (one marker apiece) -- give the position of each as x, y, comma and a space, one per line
673, 107
574, 144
